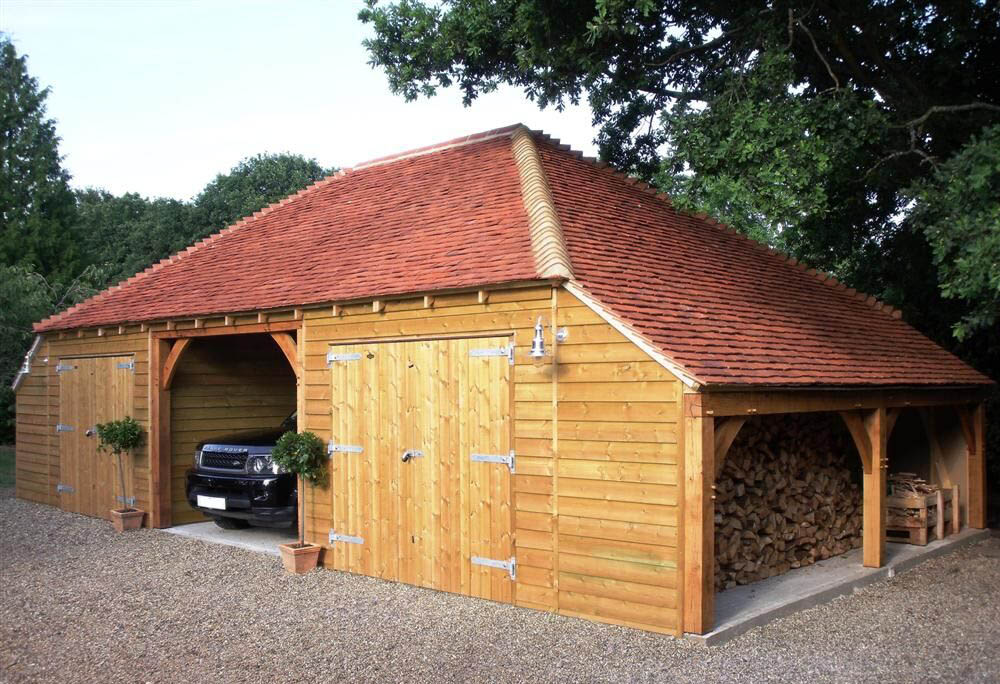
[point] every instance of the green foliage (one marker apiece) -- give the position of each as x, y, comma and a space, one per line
35, 200
839, 132
26, 297
762, 159
302, 453
958, 209
119, 436
251, 185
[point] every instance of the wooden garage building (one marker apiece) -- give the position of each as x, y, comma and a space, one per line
395, 304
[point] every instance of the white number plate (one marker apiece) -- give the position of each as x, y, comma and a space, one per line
216, 502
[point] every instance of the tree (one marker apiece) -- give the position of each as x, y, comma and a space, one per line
251, 185
958, 209
127, 233
36, 203
858, 136
801, 124
26, 297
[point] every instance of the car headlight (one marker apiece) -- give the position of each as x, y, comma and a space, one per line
277, 469
197, 458
258, 464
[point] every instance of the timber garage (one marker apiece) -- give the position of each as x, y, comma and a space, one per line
529, 370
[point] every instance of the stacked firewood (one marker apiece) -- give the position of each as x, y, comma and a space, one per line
785, 498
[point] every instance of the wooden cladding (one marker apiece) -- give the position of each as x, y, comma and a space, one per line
594, 500
39, 462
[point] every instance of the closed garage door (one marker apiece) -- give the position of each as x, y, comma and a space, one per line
91, 391
420, 492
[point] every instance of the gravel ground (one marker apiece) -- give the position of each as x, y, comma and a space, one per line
79, 603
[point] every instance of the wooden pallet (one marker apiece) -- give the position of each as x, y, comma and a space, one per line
922, 518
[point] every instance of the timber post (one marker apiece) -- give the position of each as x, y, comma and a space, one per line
699, 517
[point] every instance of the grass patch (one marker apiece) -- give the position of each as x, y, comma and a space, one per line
6, 466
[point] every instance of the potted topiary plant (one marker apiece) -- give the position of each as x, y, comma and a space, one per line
121, 437
301, 453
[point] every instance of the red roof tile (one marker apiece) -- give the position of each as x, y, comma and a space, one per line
723, 308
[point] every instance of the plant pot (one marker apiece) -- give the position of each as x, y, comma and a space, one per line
299, 559
125, 520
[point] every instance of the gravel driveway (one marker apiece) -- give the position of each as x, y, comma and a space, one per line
79, 603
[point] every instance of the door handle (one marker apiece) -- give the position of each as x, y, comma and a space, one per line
90, 432
410, 454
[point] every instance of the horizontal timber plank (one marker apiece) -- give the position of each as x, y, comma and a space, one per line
536, 597
587, 604
618, 510
598, 528
617, 550
632, 592
528, 520
639, 573
612, 490
623, 472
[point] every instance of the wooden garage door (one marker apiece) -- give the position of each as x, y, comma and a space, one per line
91, 391
418, 492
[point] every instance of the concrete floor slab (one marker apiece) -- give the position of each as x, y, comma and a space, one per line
742, 608
257, 539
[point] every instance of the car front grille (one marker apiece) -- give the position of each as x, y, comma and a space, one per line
224, 460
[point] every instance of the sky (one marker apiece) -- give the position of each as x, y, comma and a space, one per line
158, 97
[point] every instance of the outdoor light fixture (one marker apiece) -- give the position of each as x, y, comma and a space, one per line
538, 341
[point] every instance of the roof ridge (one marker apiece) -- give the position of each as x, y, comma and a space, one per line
156, 266
824, 277
547, 240
505, 131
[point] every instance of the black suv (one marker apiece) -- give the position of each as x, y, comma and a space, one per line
235, 483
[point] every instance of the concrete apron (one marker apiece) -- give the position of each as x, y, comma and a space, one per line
257, 539
742, 608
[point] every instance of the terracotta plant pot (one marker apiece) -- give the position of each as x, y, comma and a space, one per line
299, 559
127, 519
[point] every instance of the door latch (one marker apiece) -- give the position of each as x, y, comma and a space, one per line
410, 454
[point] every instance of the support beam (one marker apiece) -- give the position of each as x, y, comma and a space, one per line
170, 363
250, 328
856, 426
869, 431
741, 403
699, 518
875, 513
726, 430
973, 421
159, 436
286, 343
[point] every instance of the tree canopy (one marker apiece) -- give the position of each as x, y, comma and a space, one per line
805, 125
861, 137
36, 203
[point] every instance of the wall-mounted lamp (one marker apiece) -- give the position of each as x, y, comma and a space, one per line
538, 341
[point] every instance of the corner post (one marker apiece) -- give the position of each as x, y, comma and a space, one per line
698, 517
159, 435
874, 507
977, 468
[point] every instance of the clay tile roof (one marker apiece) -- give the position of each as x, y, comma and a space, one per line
510, 206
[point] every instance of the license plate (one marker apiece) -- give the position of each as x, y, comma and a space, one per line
216, 502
